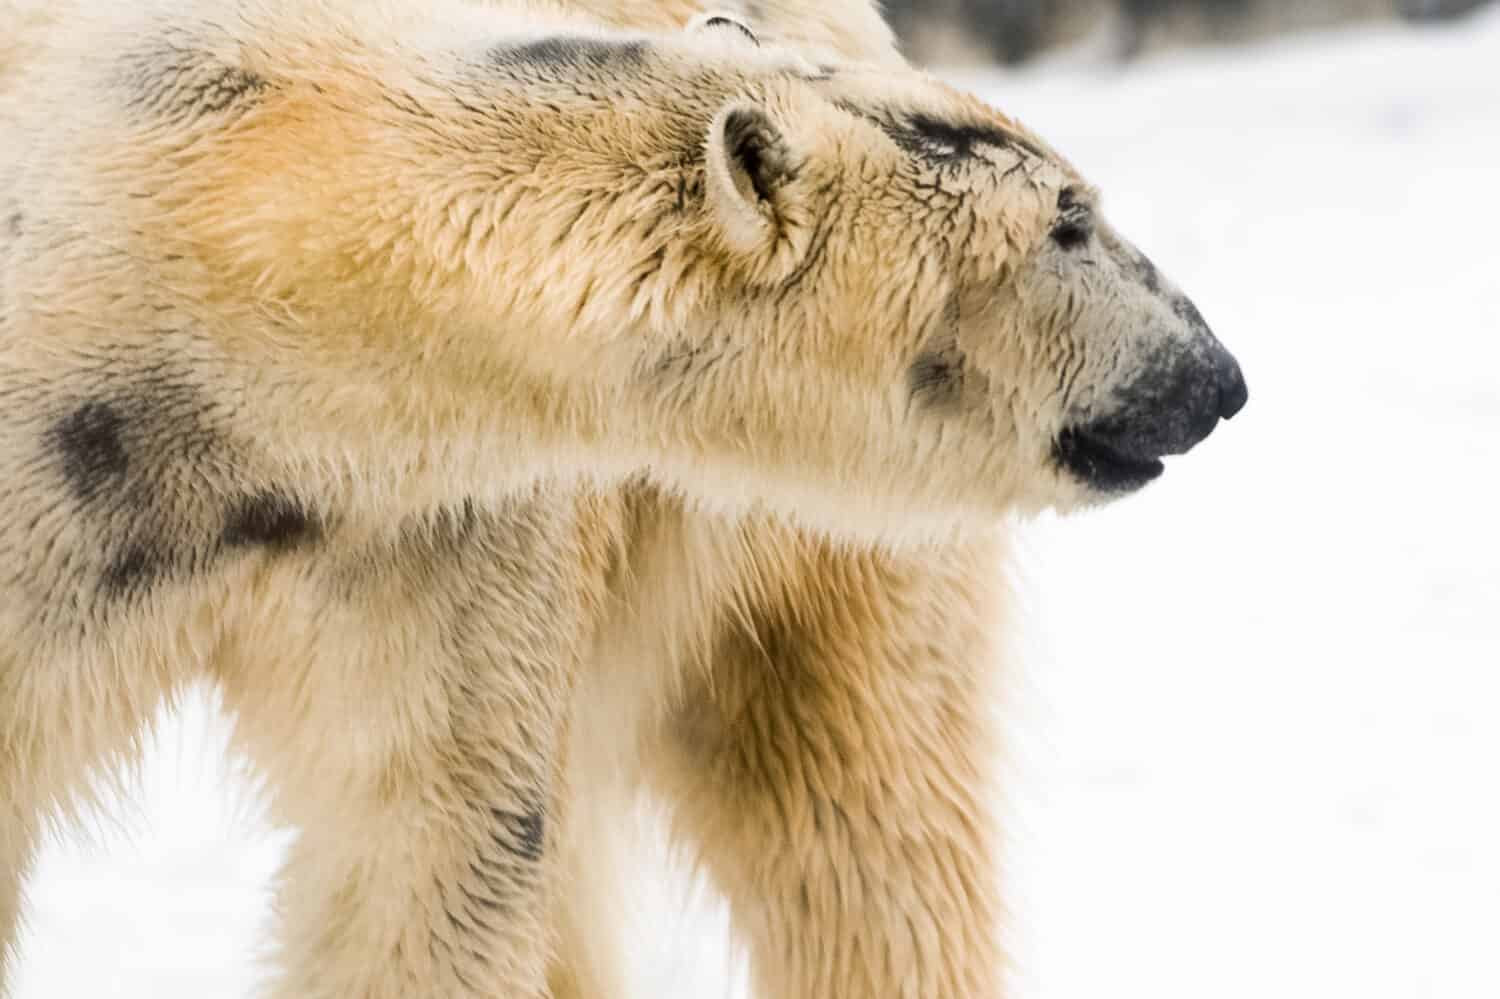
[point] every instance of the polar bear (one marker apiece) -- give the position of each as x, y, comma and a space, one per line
507, 406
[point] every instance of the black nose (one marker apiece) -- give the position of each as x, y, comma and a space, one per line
1233, 392
1168, 408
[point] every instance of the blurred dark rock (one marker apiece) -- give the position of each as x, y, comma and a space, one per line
1011, 31
1437, 10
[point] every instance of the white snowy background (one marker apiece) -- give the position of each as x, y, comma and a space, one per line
1255, 725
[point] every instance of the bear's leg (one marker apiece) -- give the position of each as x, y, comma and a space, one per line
410, 711
422, 898
427, 869
831, 771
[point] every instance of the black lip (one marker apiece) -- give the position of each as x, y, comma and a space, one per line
1102, 466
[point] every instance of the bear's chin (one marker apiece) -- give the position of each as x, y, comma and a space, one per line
1101, 467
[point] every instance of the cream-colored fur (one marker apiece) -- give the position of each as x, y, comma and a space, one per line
511, 407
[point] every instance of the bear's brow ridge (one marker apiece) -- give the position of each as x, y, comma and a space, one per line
931, 138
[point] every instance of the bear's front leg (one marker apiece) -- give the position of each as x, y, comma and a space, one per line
409, 707
430, 898
831, 773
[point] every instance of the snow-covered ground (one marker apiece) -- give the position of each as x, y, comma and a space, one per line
1256, 744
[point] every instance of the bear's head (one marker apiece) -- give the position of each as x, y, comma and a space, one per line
911, 233
761, 275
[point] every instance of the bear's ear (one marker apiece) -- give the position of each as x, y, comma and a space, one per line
747, 178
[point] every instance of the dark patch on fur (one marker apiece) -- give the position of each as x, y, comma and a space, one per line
525, 832
88, 441
172, 82
271, 520
148, 477
133, 569
572, 54
15, 223
935, 377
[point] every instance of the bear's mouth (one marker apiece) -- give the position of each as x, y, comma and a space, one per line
1103, 465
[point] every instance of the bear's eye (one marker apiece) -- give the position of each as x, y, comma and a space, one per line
1075, 222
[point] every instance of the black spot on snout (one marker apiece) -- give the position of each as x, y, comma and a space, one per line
269, 520
90, 446
571, 53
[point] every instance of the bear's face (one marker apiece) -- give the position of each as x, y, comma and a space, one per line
940, 247
1130, 371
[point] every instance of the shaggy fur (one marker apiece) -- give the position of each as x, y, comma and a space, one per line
510, 407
